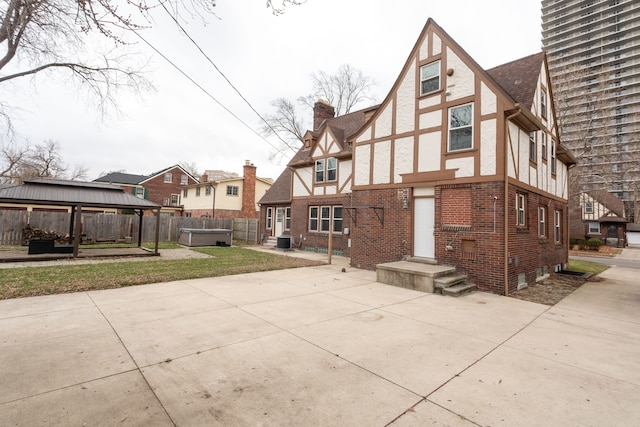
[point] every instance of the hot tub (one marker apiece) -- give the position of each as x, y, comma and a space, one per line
205, 237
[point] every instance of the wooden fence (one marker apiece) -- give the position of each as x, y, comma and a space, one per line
116, 228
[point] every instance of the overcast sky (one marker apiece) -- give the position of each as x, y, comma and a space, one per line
265, 57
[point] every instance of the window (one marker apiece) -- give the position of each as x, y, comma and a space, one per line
197, 191
556, 225
232, 190
269, 218
320, 218
287, 218
337, 219
168, 177
543, 144
140, 192
313, 218
175, 199
325, 218
184, 180
594, 228
553, 156
533, 148
588, 207
320, 170
185, 192
207, 190
543, 103
542, 221
460, 127
332, 169
430, 78
521, 210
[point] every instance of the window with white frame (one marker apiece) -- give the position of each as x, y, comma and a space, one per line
588, 207
269, 218
533, 147
197, 191
140, 192
594, 228
553, 156
185, 193
320, 170
461, 127
543, 103
287, 218
430, 78
168, 177
332, 169
184, 180
556, 225
232, 190
542, 221
320, 218
521, 210
543, 145
175, 199
207, 190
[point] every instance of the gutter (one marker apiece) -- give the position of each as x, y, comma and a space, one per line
506, 197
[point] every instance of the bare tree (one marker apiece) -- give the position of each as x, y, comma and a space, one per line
190, 167
344, 90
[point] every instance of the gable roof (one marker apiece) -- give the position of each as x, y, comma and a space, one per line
280, 191
61, 192
609, 201
519, 78
122, 178
165, 170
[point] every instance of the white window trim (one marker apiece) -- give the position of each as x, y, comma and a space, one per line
269, 218
438, 67
556, 226
321, 169
451, 109
597, 224
542, 221
521, 210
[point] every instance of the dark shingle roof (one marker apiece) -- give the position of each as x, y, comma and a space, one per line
122, 178
280, 191
519, 78
609, 201
60, 192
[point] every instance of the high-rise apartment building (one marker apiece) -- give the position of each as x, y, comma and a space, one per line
593, 49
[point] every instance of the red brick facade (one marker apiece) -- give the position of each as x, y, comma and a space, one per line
248, 193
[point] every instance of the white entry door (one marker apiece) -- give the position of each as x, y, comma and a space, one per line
423, 228
279, 227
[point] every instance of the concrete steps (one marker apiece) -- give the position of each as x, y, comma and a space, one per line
424, 277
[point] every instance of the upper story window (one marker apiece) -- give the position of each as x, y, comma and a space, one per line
232, 190
207, 190
197, 191
588, 207
533, 147
185, 193
326, 170
168, 177
543, 145
140, 192
430, 78
543, 103
461, 127
553, 156
184, 180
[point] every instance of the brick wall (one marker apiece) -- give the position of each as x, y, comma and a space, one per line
374, 242
249, 192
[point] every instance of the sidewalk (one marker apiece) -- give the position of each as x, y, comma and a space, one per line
319, 346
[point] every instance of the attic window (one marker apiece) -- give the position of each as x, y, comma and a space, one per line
430, 78
168, 177
543, 103
588, 207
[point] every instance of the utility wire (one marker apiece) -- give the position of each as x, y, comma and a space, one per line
227, 80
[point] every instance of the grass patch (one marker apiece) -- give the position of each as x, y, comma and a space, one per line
587, 266
56, 279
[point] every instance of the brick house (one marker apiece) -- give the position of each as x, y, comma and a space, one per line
163, 187
599, 214
316, 186
458, 166
225, 195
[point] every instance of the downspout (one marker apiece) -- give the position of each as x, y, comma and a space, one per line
506, 200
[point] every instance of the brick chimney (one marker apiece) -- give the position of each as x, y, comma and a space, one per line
204, 178
249, 191
322, 111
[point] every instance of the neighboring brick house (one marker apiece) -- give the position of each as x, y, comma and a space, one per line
316, 186
458, 166
231, 196
163, 187
599, 214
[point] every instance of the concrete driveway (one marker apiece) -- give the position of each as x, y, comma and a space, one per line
320, 347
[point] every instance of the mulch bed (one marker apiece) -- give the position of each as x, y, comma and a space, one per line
551, 290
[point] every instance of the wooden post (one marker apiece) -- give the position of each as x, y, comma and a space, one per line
157, 229
330, 245
140, 228
78, 232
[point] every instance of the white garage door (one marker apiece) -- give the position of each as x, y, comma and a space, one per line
633, 238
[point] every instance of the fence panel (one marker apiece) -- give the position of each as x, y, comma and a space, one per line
11, 224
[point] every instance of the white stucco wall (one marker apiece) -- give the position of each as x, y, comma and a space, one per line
383, 122
302, 177
488, 100
345, 168
488, 159
366, 135
381, 157
431, 119
362, 167
437, 45
465, 166
406, 99
429, 151
403, 158
462, 83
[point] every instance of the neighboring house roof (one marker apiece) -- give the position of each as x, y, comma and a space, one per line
165, 170
519, 78
60, 192
609, 201
280, 191
122, 178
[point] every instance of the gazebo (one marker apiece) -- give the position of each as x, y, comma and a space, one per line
78, 195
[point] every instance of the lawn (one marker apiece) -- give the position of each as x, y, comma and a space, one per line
587, 266
55, 279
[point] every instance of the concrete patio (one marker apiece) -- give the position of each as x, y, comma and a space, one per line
318, 346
